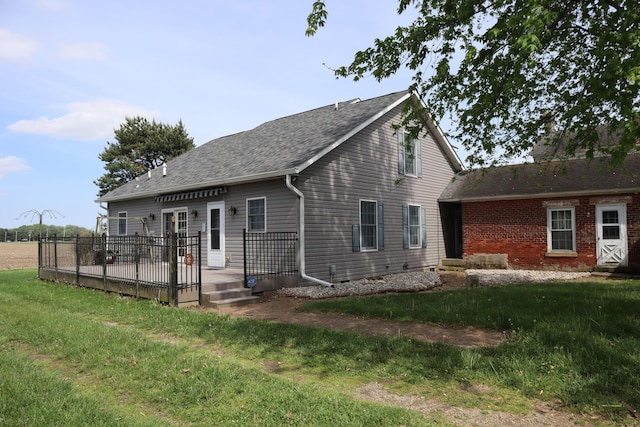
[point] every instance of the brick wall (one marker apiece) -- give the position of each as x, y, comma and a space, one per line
518, 228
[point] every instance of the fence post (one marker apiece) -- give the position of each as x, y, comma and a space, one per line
244, 253
136, 259
39, 256
198, 257
173, 269
78, 258
104, 261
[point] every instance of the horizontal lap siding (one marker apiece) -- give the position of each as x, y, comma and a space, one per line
366, 167
281, 215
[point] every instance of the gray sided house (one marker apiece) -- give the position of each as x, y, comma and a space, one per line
330, 174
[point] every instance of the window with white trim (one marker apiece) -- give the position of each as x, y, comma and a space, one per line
122, 223
409, 156
561, 225
368, 225
414, 226
257, 215
368, 234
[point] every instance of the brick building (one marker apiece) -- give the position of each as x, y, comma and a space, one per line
571, 214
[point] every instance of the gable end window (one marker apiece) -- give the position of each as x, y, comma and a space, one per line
561, 229
368, 235
409, 155
122, 223
257, 215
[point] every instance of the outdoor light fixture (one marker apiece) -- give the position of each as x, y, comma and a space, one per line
152, 216
232, 210
194, 213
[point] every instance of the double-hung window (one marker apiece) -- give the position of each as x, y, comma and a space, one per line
561, 223
368, 225
368, 234
409, 156
122, 223
414, 225
257, 215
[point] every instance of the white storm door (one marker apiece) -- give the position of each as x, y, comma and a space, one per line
182, 230
215, 235
611, 223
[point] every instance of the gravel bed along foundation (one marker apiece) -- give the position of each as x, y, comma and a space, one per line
424, 280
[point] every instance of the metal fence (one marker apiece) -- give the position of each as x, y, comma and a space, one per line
269, 256
167, 269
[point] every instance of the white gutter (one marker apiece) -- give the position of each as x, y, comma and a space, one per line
301, 251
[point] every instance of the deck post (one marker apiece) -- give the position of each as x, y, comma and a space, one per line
198, 257
173, 269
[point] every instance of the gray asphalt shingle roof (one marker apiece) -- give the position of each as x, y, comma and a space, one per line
277, 147
578, 176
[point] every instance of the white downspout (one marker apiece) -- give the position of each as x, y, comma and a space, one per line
301, 251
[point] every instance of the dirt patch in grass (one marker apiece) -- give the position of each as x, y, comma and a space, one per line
285, 309
18, 255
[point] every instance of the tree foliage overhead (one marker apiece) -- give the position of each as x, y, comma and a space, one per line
506, 70
140, 146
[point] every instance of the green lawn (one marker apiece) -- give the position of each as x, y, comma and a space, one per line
72, 356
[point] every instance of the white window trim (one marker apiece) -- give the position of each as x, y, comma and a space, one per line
419, 245
410, 156
126, 222
265, 215
362, 248
573, 229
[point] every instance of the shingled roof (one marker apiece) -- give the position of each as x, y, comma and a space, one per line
549, 179
276, 148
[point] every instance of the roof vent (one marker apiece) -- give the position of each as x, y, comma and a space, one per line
336, 107
164, 169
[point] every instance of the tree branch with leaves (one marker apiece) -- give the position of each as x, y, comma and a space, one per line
503, 70
140, 146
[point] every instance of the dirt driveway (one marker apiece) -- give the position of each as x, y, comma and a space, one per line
284, 309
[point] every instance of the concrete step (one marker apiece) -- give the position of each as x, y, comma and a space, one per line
212, 287
233, 302
452, 262
227, 294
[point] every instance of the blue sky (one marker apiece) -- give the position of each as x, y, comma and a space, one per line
72, 70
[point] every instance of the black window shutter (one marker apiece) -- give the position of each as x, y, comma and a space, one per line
423, 222
405, 227
355, 238
401, 151
418, 155
381, 226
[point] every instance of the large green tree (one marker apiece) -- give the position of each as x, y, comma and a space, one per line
505, 71
140, 146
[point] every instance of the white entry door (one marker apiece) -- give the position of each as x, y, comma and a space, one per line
611, 223
215, 235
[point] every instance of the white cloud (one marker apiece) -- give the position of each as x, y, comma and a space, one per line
16, 47
82, 51
12, 164
85, 121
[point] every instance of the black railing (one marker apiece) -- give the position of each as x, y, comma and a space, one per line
269, 256
167, 269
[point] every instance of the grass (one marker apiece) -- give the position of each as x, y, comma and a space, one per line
72, 356
577, 342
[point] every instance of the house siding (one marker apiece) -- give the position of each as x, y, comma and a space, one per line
366, 168
280, 204
518, 228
